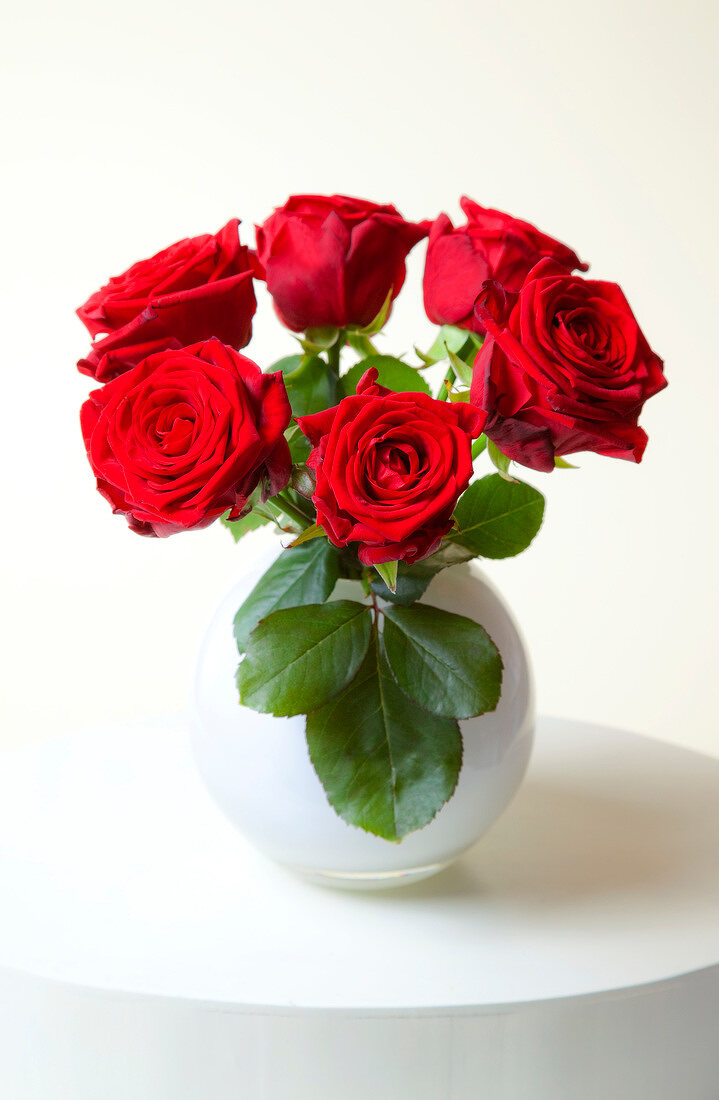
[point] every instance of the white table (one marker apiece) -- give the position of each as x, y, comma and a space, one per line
148, 953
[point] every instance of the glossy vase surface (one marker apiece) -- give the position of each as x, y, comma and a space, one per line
257, 767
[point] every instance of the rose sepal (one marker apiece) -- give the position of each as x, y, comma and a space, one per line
449, 336
314, 531
319, 339
377, 323
388, 572
499, 460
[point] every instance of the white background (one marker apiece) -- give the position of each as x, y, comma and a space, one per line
131, 125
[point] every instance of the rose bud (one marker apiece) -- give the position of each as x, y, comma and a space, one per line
569, 370
491, 246
331, 262
390, 468
185, 435
195, 289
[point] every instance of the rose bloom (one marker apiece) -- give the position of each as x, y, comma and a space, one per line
333, 261
492, 245
195, 289
390, 468
186, 435
568, 370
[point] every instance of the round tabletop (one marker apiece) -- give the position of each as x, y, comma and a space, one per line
120, 879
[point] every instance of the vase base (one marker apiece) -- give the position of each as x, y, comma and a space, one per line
370, 880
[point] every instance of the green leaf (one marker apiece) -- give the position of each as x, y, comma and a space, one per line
299, 445
412, 581
388, 572
426, 358
386, 764
449, 338
287, 364
311, 387
312, 532
301, 576
499, 460
462, 370
445, 662
449, 553
497, 518
240, 527
361, 344
562, 465
299, 658
393, 373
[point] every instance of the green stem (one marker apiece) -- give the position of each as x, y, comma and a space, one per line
265, 511
291, 510
478, 446
334, 353
278, 516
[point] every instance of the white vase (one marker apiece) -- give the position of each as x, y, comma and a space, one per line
257, 767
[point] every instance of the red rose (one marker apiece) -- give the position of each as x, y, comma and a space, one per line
185, 435
333, 261
390, 469
569, 370
492, 245
195, 289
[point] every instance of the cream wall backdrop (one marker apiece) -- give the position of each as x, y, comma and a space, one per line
129, 126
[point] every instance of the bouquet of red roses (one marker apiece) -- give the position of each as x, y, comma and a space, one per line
346, 450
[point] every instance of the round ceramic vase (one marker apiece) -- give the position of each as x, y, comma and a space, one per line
258, 771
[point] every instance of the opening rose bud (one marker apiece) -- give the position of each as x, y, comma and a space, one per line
490, 246
331, 262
